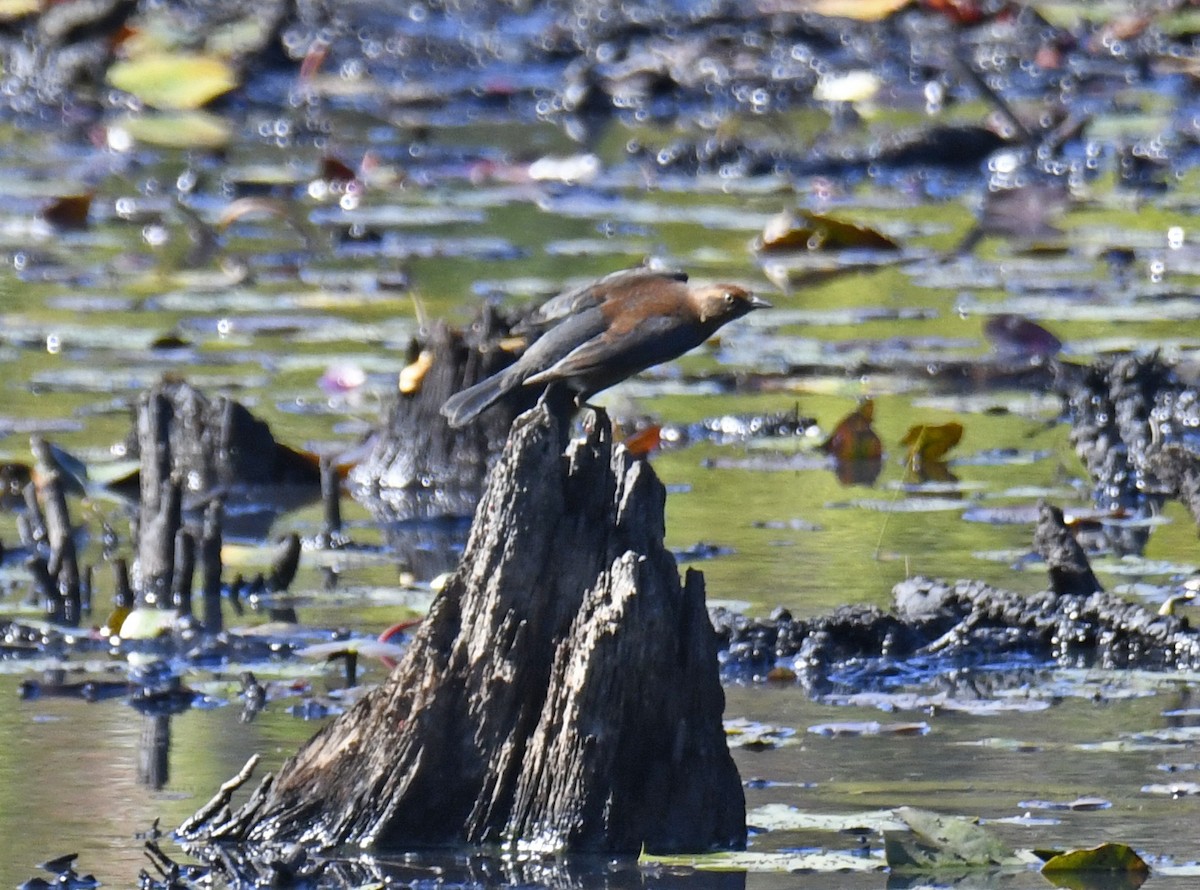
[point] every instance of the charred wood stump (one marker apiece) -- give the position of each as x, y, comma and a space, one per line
47, 532
562, 692
1124, 413
422, 479
218, 448
210, 567
195, 451
1066, 563
1178, 469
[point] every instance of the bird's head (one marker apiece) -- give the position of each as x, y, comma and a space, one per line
721, 303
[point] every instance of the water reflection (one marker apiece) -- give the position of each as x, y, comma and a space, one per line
154, 752
471, 869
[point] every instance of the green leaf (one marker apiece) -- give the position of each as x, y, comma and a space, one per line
176, 82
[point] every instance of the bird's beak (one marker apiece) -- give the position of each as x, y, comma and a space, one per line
757, 302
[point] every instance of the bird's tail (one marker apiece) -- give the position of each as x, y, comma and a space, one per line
463, 407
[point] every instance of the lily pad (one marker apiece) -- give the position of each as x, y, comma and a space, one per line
175, 82
1106, 858
936, 842
828, 862
781, 817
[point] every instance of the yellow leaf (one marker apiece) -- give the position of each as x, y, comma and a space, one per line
176, 82
11, 10
927, 444
860, 10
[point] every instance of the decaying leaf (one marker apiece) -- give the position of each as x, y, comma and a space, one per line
868, 727
853, 438
934, 842
928, 444
68, 213
335, 171
791, 232
1018, 337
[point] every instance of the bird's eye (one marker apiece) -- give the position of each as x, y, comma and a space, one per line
730, 298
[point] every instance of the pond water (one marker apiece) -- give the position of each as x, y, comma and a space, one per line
282, 296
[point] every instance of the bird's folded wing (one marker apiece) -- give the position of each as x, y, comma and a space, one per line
593, 294
652, 341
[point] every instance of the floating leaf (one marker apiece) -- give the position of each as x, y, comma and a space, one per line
929, 444
147, 623
752, 861
11, 10
68, 213
756, 736
179, 82
188, 129
1073, 869
935, 841
782, 817
868, 727
853, 438
1079, 804
1017, 337
859, 10
336, 172
241, 208
849, 86
1173, 789
644, 441
805, 231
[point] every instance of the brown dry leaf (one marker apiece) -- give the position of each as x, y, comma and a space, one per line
644, 441
336, 172
929, 444
68, 213
804, 231
853, 438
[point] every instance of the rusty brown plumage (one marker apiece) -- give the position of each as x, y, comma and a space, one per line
598, 335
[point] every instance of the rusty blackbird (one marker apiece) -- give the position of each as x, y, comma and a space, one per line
599, 334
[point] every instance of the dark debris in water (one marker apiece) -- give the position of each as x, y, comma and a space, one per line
937, 628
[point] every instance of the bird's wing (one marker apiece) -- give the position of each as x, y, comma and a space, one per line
629, 351
590, 295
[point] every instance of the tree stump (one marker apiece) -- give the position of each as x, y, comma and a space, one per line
422, 480
563, 693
